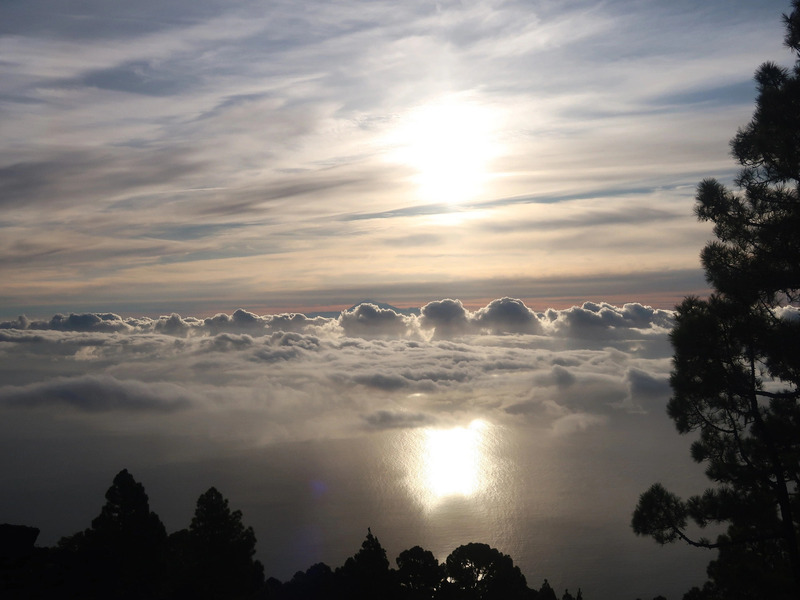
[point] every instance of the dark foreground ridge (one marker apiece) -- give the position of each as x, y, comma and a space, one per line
126, 554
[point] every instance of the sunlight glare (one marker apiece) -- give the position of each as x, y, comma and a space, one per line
452, 458
446, 463
449, 143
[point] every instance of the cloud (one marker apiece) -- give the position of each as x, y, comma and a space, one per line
69, 178
368, 320
558, 376
790, 313
164, 142
97, 394
383, 382
226, 341
106, 322
448, 318
507, 315
296, 322
604, 321
175, 325
295, 399
500, 361
240, 320
386, 419
576, 422
441, 319
646, 390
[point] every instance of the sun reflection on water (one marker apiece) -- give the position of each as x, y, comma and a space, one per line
445, 463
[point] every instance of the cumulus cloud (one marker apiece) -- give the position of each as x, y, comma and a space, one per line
507, 315
447, 318
369, 320
646, 390
558, 376
382, 381
501, 362
592, 320
105, 322
240, 320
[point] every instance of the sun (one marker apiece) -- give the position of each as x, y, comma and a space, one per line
449, 144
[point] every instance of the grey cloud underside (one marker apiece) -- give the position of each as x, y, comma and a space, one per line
436, 209
140, 78
98, 393
384, 419
50, 17
77, 176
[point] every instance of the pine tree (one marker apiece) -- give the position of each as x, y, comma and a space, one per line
736, 366
367, 575
214, 558
120, 555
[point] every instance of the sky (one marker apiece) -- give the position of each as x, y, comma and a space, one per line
205, 156
186, 186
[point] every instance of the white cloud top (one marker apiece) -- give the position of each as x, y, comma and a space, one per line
375, 366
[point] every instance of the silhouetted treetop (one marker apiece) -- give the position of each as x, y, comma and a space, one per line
127, 513
546, 592
219, 551
367, 573
419, 573
126, 555
479, 571
120, 554
736, 364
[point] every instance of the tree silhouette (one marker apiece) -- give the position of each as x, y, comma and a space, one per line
366, 574
736, 368
546, 592
126, 554
316, 582
419, 573
120, 555
214, 558
478, 571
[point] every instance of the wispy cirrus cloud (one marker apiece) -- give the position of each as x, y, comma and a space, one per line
260, 138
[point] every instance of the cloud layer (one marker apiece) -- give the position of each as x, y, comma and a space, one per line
312, 424
375, 367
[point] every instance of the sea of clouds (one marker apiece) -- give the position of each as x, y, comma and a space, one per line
307, 423
295, 377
